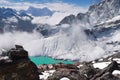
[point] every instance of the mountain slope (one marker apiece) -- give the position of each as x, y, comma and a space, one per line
103, 11
88, 36
12, 20
98, 13
38, 11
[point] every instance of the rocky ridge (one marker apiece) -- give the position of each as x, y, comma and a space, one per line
100, 69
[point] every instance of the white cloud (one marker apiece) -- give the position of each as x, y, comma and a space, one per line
65, 7
8, 40
52, 20
62, 10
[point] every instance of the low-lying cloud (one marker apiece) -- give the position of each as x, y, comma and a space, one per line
8, 40
68, 42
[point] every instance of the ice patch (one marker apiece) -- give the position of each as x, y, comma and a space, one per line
46, 74
116, 72
64, 78
101, 65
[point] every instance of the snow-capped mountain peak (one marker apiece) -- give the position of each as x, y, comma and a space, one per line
99, 12
11, 19
39, 11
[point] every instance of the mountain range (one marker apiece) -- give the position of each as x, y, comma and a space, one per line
87, 36
95, 32
13, 20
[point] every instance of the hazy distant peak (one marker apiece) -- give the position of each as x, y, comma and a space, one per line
39, 11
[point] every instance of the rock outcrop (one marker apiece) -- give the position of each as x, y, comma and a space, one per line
85, 71
107, 72
68, 20
18, 66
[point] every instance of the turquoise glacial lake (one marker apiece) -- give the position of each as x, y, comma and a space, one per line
48, 60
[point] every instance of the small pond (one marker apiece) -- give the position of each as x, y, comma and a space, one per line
48, 60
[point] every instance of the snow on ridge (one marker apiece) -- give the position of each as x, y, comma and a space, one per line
12, 19
110, 22
101, 65
116, 72
46, 74
25, 18
64, 78
114, 19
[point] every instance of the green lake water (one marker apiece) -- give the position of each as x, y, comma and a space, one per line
48, 60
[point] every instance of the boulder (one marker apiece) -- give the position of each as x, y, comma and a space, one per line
88, 70
18, 66
17, 53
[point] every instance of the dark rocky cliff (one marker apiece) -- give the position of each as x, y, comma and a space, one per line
18, 66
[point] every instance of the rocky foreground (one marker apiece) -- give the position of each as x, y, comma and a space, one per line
100, 69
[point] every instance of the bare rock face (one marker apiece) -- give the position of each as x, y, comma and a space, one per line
86, 72
67, 70
72, 74
18, 66
107, 76
68, 20
106, 73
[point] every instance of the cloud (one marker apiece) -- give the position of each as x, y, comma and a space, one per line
63, 45
8, 40
61, 10
65, 7
52, 20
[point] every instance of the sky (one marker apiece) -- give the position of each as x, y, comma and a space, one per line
76, 2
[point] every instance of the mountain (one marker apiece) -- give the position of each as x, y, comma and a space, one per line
13, 20
100, 12
103, 11
86, 36
39, 11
